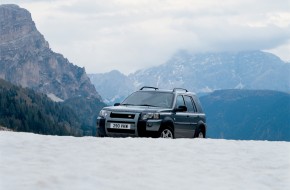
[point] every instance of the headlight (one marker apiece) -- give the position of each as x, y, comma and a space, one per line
103, 113
150, 116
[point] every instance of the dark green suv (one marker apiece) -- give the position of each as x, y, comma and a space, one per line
152, 112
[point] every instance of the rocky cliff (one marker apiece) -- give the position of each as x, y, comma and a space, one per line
27, 60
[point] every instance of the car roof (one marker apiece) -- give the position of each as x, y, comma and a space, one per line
174, 90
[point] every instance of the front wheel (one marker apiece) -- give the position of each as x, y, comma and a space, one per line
99, 135
166, 133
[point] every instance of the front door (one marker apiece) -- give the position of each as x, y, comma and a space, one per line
182, 121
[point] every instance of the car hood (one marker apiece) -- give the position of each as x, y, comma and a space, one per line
136, 109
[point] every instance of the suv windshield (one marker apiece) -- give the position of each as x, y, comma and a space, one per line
145, 98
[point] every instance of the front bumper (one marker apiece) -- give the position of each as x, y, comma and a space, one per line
139, 128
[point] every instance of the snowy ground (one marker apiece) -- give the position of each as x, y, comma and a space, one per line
29, 161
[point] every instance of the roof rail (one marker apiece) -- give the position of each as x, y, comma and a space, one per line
149, 87
175, 89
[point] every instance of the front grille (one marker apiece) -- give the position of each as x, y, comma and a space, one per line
130, 131
122, 115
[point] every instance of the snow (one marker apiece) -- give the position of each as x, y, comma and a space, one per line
240, 86
206, 90
30, 161
54, 98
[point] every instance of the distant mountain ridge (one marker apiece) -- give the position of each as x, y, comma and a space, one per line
113, 85
206, 72
248, 114
213, 71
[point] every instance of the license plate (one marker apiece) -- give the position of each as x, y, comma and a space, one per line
120, 126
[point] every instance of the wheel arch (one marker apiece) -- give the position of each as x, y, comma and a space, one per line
202, 127
167, 122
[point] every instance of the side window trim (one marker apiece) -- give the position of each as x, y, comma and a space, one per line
190, 101
194, 105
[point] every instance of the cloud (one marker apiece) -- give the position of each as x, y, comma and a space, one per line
130, 35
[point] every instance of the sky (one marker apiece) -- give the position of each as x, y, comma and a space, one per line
128, 35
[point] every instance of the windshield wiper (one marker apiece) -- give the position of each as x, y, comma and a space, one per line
127, 104
146, 105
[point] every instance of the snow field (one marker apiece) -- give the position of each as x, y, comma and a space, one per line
30, 161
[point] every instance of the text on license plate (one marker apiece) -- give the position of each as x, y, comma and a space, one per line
120, 126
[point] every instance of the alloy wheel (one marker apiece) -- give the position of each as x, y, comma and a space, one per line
166, 133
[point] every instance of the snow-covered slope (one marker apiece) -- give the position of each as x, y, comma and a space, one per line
29, 161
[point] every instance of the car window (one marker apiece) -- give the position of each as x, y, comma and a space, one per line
189, 104
179, 101
143, 98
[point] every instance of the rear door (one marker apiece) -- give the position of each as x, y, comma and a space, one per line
192, 114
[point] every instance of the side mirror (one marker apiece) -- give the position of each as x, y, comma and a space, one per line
181, 109
117, 104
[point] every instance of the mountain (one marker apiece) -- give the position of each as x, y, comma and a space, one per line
113, 85
248, 114
27, 60
22, 109
206, 72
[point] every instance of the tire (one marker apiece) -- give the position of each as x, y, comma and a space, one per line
199, 134
98, 135
166, 132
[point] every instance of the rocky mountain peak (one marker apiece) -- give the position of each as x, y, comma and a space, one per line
27, 60
17, 25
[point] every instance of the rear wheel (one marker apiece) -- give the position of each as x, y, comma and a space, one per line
166, 133
199, 133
